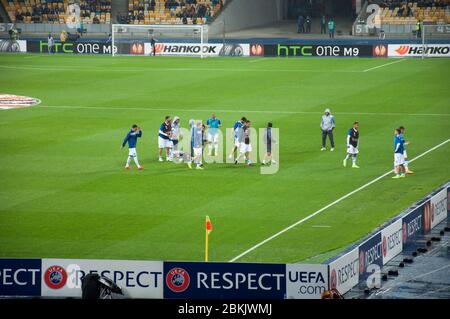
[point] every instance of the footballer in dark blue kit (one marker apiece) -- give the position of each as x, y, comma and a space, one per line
131, 139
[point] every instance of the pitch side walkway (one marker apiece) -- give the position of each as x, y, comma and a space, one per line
425, 276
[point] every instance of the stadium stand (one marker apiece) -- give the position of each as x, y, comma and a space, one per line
172, 11
55, 11
403, 12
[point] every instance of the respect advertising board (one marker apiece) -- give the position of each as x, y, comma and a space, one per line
413, 225
344, 271
138, 279
438, 205
392, 240
370, 257
20, 277
306, 50
224, 280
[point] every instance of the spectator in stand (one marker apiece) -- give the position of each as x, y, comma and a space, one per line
331, 27
308, 24
323, 24
300, 24
63, 36
19, 16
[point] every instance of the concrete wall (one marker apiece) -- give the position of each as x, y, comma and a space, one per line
57, 28
243, 14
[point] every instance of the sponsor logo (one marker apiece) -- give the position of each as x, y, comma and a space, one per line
380, 50
384, 246
9, 101
159, 48
257, 50
137, 48
434, 50
177, 279
402, 50
55, 277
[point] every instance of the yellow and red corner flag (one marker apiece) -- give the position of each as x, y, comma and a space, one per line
208, 229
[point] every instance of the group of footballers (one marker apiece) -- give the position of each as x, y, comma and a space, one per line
170, 135
400, 156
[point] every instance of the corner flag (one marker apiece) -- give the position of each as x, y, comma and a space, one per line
208, 229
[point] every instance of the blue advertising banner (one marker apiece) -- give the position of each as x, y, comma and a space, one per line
20, 277
370, 254
413, 225
224, 280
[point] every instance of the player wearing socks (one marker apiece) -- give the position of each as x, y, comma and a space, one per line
164, 141
352, 145
399, 159
197, 144
268, 139
237, 127
213, 124
131, 139
405, 165
245, 145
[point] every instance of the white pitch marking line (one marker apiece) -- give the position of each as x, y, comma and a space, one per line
301, 221
120, 69
258, 60
122, 108
386, 64
321, 226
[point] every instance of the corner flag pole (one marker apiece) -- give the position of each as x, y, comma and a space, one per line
208, 229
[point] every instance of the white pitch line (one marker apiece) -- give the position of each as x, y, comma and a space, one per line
153, 70
123, 108
321, 226
383, 65
301, 221
258, 60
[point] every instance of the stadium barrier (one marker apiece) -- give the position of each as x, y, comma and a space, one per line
50, 278
61, 278
376, 49
360, 265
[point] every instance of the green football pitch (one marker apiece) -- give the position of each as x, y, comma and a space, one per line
65, 194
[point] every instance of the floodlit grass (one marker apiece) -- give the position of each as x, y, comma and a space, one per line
64, 192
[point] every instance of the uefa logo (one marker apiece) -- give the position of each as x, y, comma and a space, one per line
177, 279
55, 277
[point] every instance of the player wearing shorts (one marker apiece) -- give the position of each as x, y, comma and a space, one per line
268, 140
164, 141
131, 139
245, 145
399, 158
213, 124
352, 145
237, 127
197, 144
405, 165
